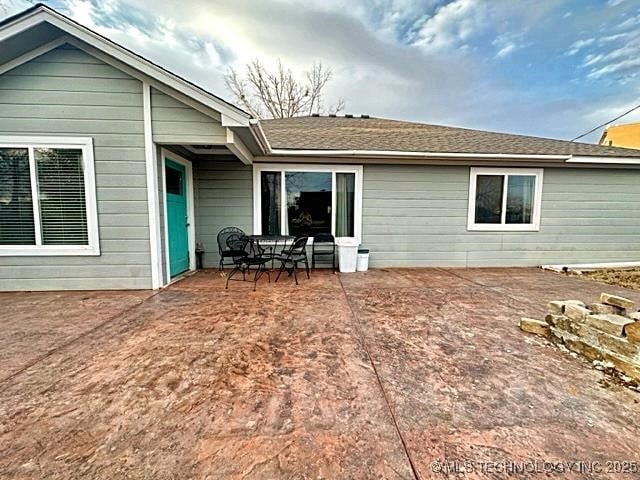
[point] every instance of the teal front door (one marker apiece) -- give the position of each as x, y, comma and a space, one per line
177, 217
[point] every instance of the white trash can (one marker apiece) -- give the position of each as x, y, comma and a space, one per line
347, 257
363, 260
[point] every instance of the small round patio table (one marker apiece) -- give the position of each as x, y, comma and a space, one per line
270, 244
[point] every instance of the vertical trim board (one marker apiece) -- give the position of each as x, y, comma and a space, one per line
152, 189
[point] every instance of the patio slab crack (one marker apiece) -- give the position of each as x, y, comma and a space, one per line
363, 342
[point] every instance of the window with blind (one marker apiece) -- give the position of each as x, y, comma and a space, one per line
44, 207
63, 210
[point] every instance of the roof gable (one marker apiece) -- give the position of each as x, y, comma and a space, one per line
48, 22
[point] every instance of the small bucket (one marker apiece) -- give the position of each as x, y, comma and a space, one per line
363, 260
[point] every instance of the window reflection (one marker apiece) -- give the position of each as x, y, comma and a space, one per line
270, 197
308, 209
489, 198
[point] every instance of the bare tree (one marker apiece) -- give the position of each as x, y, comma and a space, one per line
278, 94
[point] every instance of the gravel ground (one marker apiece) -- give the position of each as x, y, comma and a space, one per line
621, 278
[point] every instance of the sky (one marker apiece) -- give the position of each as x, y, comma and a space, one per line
553, 68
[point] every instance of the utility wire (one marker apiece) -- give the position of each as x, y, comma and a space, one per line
606, 123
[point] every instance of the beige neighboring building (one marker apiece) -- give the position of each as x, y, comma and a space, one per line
626, 135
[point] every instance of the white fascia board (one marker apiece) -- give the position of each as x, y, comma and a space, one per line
228, 121
20, 25
606, 160
403, 154
260, 136
144, 66
238, 148
444, 155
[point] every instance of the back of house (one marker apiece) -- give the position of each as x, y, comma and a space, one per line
113, 169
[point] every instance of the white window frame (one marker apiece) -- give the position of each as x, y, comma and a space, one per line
290, 167
503, 226
86, 145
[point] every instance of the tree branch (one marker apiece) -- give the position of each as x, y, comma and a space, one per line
277, 93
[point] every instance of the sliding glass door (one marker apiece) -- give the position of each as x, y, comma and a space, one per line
307, 200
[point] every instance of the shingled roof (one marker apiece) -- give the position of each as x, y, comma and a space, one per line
379, 134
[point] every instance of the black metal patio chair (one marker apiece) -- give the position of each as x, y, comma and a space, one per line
324, 245
294, 255
247, 254
224, 250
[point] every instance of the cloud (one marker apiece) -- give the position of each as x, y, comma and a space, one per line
614, 3
452, 24
11, 7
631, 21
370, 69
616, 57
579, 45
506, 50
618, 67
506, 44
399, 20
160, 38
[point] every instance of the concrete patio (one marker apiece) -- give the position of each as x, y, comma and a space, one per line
373, 375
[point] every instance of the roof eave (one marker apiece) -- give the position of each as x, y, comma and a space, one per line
380, 155
260, 136
605, 160
406, 154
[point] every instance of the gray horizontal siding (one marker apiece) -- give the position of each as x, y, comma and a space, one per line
175, 122
417, 216
224, 198
66, 98
70, 93
77, 112
74, 68
15, 81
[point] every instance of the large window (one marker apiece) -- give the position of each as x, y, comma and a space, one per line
47, 197
505, 199
307, 200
